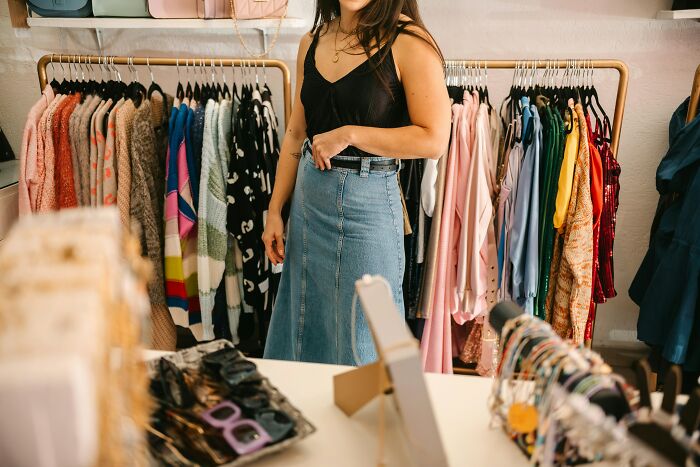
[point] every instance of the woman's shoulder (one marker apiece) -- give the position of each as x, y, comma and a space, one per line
414, 41
411, 34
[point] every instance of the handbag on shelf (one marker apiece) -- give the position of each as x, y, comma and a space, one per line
61, 8
255, 9
217, 9
168, 9
252, 9
120, 8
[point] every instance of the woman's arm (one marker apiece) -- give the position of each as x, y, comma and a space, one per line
286, 174
421, 74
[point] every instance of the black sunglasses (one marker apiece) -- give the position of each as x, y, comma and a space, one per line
173, 385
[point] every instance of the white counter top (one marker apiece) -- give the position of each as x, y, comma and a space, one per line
458, 401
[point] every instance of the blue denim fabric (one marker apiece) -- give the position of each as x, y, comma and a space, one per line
343, 223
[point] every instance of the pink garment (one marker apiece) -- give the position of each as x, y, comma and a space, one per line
39, 177
186, 223
458, 261
478, 241
436, 345
46, 200
29, 153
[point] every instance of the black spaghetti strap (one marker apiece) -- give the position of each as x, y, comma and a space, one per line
310, 58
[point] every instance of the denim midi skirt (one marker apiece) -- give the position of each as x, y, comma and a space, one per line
343, 223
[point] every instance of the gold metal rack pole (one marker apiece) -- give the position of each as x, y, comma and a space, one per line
426, 299
167, 61
562, 64
694, 97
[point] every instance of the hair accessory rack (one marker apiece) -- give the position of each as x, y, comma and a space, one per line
171, 61
584, 407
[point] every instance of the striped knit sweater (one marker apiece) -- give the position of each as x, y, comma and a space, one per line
211, 220
180, 232
232, 274
569, 296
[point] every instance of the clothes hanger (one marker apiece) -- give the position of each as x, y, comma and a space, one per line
179, 92
207, 92
257, 81
266, 88
594, 94
218, 90
234, 87
226, 90
188, 88
54, 82
153, 87
135, 91
63, 86
69, 83
91, 83
197, 94
121, 85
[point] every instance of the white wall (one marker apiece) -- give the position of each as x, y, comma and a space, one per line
661, 55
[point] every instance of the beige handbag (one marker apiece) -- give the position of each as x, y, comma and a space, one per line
256, 9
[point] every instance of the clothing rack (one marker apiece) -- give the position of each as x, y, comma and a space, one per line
618, 65
694, 97
167, 61
432, 251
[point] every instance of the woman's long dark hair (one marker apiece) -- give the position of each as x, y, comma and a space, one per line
377, 23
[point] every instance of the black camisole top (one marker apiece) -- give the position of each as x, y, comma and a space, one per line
358, 98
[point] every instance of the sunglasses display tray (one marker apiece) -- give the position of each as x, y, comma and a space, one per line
191, 358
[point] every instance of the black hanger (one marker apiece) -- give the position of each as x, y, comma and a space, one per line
64, 86
188, 88
153, 87
135, 90
217, 90
197, 94
179, 92
594, 94
659, 437
54, 82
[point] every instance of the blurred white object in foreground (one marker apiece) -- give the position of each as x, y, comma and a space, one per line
73, 287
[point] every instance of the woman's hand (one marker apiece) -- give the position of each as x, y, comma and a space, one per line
273, 237
327, 145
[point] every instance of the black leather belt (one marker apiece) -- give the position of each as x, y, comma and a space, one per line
382, 166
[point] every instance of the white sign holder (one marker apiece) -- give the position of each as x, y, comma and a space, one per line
398, 372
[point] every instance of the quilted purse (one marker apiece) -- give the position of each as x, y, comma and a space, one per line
255, 9
244, 9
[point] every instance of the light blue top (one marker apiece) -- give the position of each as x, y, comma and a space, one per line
524, 245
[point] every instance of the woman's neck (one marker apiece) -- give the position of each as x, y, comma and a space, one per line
347, 21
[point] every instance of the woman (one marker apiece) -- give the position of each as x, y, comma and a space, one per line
370, 90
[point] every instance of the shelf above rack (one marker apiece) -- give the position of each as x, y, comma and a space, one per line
154, 23
678, 14
264, 26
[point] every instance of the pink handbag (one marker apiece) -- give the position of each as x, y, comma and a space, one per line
165, 9
252, 9
211, 9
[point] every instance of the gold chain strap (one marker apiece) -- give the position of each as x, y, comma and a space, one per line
242, 41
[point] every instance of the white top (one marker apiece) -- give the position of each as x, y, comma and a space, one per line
460, 404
